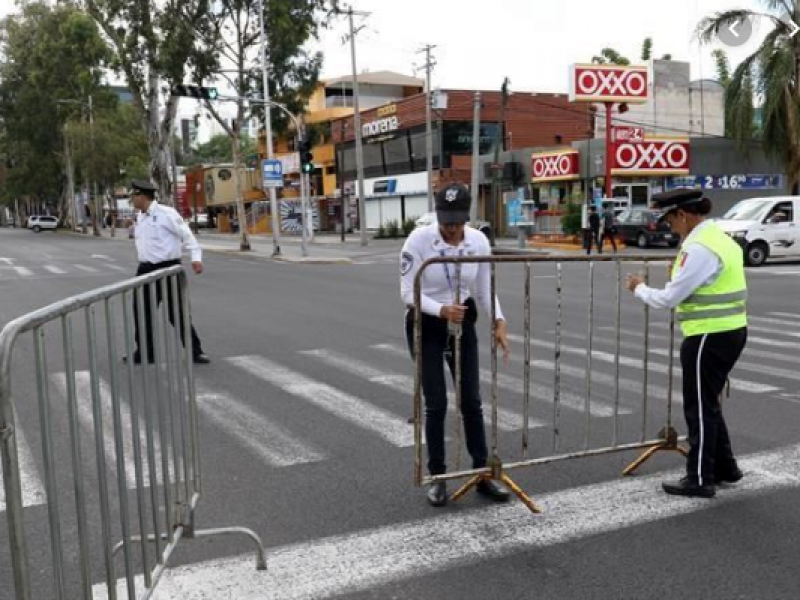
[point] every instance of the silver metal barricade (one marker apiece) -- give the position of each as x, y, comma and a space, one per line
130, 452
590, 434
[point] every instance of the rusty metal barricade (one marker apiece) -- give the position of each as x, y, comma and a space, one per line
592, 442
121, 417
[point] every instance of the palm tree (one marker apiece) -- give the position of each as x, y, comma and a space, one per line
769, 75
609, 56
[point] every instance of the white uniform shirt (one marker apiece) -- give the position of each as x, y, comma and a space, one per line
439, 281
698, 266
161, 235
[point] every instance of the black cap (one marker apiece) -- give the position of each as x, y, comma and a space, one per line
675, 199
452, 204
143, 186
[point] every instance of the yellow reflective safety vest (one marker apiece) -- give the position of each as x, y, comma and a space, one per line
720, 305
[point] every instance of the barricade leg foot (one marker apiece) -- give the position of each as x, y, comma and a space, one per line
669, 443
519, 493
460, 492
515, 489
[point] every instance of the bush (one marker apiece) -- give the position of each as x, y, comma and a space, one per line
392, 228
571, 220
409, 224
381, 232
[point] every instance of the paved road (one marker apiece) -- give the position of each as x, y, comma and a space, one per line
304, 439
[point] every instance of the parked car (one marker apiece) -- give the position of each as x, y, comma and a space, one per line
39, 222
202, 220
765, 227
429, 218
640, 226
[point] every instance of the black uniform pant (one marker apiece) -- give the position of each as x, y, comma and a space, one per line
172, 310
706, 361
608, 234
593, 236
438, 347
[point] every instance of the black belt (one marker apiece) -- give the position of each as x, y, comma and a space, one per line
166, 263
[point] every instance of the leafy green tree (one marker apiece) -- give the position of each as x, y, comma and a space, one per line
609, 56
647, 49
218, 150
723, 67
772, 73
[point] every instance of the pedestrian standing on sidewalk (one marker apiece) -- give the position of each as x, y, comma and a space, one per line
442, 320
161, 235
709, 292
609, 227
594, 231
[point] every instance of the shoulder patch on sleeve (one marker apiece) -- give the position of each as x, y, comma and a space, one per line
406, 262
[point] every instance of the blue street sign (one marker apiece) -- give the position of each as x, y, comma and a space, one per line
514, 211
271, 173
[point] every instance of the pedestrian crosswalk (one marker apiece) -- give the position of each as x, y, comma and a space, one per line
370, 394
97, 264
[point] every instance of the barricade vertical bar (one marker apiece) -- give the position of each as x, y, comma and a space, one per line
191, 397
417, 381
557, 361
492, 300
169, 332
127, 313
670, 369
526, 392
99, 436
77, 458
589, 356
49, 461
144, 347
455, 338
162, 422
617, 345
646, 358
122, 481
179, 374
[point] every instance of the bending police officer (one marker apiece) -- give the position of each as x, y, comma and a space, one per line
709, 291
440, 314
161, 234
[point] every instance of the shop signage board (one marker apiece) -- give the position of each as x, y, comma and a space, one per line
555, 166
633, 135
271, 173
608, 83
727, 182
655, 155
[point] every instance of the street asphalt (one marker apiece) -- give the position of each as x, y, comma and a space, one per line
313, 349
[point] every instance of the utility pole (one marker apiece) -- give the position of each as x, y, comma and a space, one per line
476, 149
429, 64
362, 210
499, 140
273, 199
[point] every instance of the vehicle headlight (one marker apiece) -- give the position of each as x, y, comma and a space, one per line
738, 235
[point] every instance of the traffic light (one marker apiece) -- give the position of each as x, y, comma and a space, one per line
306, 158
195, 91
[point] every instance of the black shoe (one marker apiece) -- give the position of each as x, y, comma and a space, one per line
492, 489
729, 475
201, 359
437, 493
687, 487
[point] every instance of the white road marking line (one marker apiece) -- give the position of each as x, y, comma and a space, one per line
507, 420
117, 268
54, 269
8, 261
83, 393
608, 357
751, 339
104, 257
538, 391
356, 562
85, 268
773, 321
357, 411
755, 339
794, 316
33, 492
262, 437
23, 271
772, 271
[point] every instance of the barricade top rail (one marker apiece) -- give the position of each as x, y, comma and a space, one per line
516, 258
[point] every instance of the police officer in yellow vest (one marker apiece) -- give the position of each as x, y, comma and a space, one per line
707, 288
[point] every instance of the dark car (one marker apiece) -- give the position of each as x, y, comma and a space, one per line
640, 227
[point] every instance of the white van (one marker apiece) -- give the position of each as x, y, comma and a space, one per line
765, 227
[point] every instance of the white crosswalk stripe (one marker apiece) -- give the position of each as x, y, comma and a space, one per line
86, 268
33, 492
22, 271
54, 269
8, 261
404, 384
353, 409
538, 391
607, 357
795, 317
753, 339
264, 438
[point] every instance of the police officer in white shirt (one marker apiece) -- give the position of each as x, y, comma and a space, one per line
450, 236
161, 235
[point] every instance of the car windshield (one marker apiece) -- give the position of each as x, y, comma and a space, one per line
748, 210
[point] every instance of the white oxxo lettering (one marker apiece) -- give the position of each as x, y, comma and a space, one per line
552, 166
655, 155
611, 83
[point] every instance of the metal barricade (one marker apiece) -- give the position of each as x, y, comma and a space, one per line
129, 453
587, 437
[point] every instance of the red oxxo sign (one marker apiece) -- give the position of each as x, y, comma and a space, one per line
554, 166
653, 156
608, 83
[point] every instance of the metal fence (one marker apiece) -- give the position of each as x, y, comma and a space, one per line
118, 441
536, 404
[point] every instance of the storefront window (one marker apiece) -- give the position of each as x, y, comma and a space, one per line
458, 138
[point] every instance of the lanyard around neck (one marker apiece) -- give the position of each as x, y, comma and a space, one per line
447, 272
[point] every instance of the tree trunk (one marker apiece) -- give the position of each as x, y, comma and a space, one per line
244, 243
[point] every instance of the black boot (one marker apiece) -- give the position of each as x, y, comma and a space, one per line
687, 487
437, 493
730, 474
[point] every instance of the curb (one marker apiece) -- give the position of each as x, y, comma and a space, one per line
313, 260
